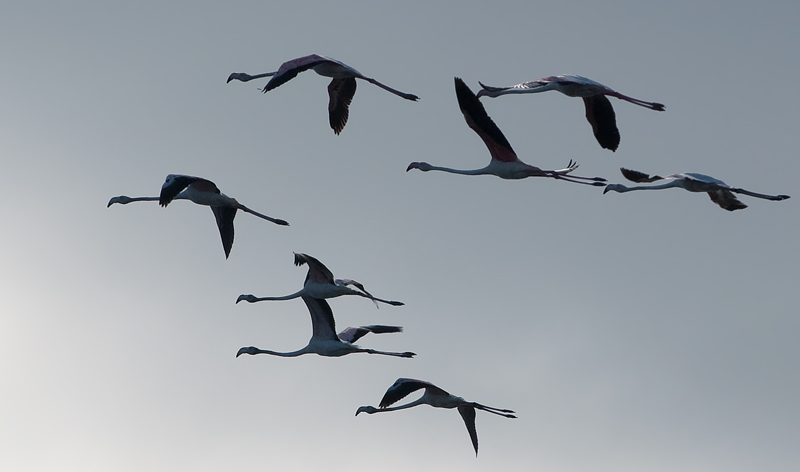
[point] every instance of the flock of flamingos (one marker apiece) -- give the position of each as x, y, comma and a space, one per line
320, 283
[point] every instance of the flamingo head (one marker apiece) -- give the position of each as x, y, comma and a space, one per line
247, 350
122, 199
423, 166
615, 187
248, 298
366, 409
239, 76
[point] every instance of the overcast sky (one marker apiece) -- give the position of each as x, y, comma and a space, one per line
641, 331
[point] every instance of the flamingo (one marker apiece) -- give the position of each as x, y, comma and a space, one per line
504, 163
341, 89
202, 192
435, 397
599, 111
721, 193
324, 340
321, 284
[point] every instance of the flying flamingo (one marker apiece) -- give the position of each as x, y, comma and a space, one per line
504, 163
721, 193
435, 397
324, 340
599, 111
341, 89
202, 192
321, 284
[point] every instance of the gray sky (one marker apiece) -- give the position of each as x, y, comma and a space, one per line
645, 331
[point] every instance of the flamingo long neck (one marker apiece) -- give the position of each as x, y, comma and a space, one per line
285, 297
284, 354
482, 171
622, 189
419, 401
258, 76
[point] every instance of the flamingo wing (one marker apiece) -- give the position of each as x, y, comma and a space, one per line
351, 335
224, 216
600, 115
289, 70
468, 414
323, 325
402, 387
176, 183
316, 269
341, 92
726, 199
480, 122
639, 177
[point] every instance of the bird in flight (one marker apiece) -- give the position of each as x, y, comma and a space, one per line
324, 340
340, 91
435, 397
320, 283
202, 192
721, 193
599, 111
504, 163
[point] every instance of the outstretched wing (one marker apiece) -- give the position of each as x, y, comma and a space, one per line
316, 269
726, 199
600, 115
224, 217
289, 70
468, 414
636, 176
480, 122
175, 183
340, 93
351, 335
323, 325
403, 387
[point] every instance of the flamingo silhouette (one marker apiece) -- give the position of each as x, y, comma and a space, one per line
505, 163
202, 192
599, 111
341, 89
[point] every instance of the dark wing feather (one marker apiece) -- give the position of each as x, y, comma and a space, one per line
726, 199
316, 269
323, 325
601, 116
224, 217
480, 122
403, 387
289, 70
175, 184
640, 177
352, 335
340, 92
468, 414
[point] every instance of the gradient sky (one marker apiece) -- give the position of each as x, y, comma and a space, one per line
643, 331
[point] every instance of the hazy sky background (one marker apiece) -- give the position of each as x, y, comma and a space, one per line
646, 331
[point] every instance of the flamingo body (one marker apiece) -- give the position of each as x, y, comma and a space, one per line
324, 340
437, 398
720, 193
504, 163
202, 192
599, 111
340, 91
